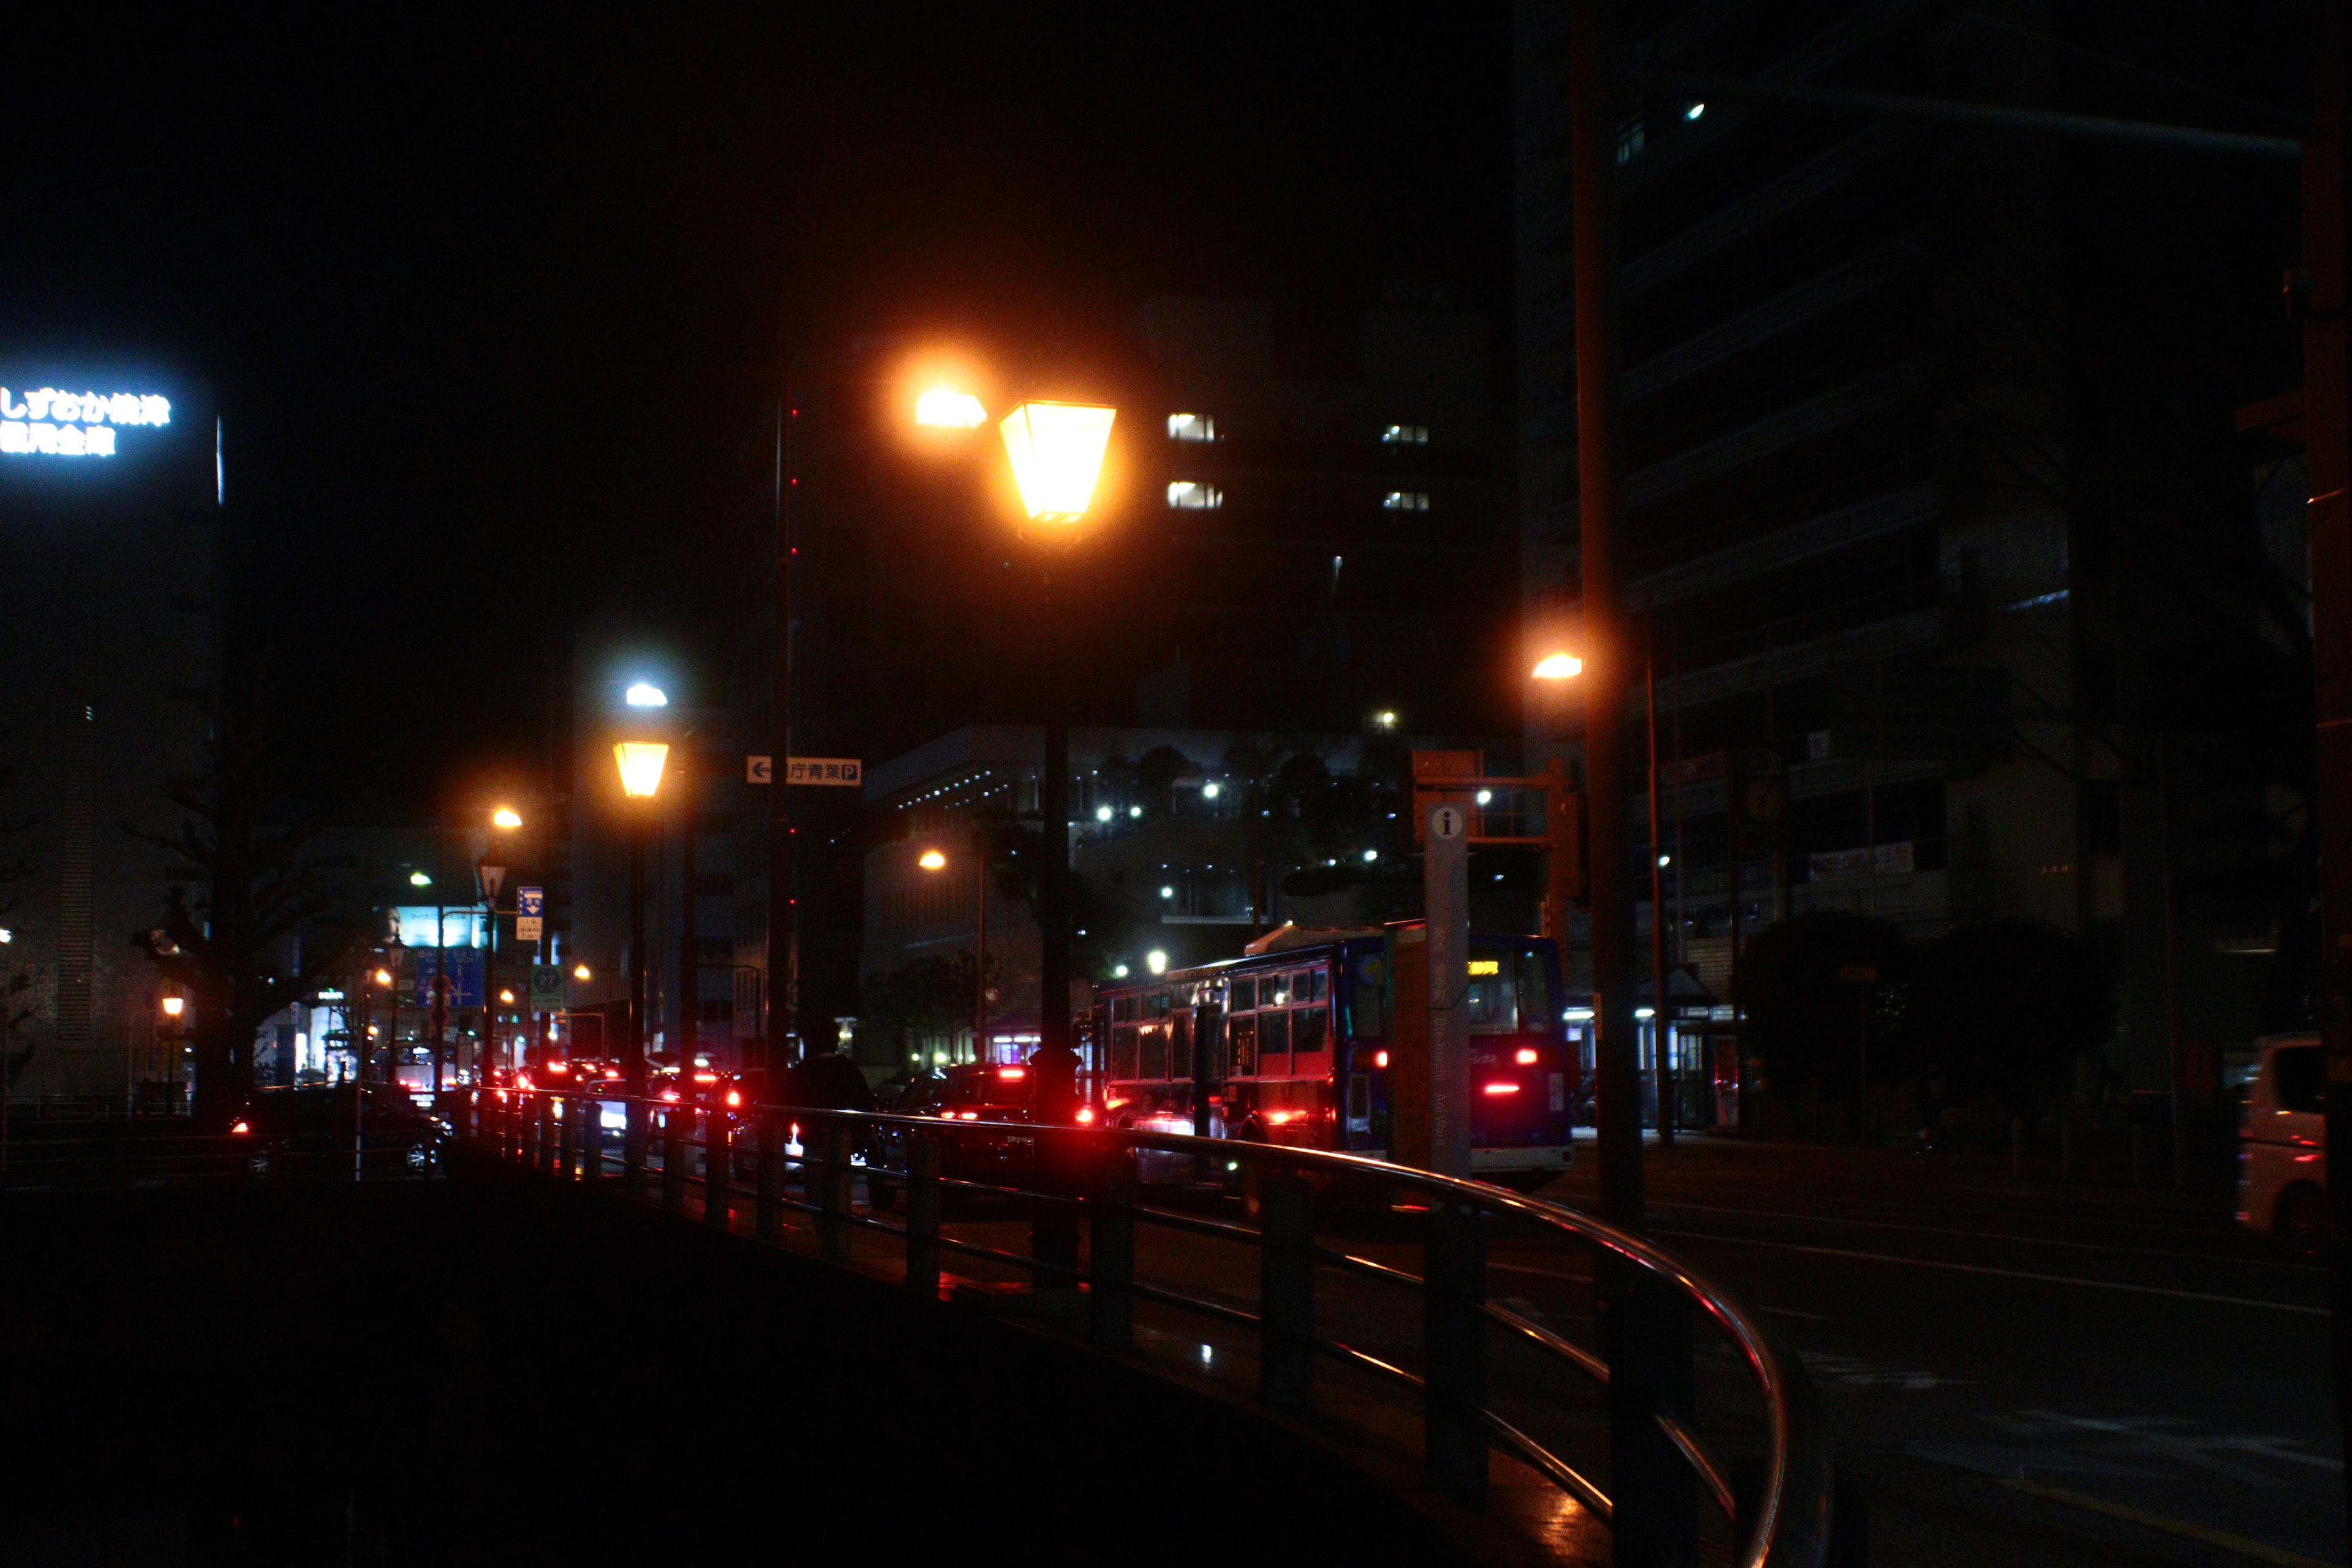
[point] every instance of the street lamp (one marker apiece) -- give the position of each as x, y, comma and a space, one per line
641, 763
1560, 667
934, 862
1057, 450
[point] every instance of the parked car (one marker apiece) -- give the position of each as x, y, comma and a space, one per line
286, 1130
2283, 1145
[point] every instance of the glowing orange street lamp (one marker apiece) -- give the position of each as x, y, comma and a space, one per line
1558, 667
933, 861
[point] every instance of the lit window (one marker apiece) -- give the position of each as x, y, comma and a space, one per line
1192, 427
1632, 137
1191, 495
1405, 435
1406, 500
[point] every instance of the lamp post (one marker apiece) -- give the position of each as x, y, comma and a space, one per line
933, 861
1057, 450
641, 763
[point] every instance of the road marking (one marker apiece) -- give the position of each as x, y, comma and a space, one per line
2211, 1537
1992, 1236
2003, 1273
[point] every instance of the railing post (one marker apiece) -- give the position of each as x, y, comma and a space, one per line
1646, 1333
1110, 1248
829, 1176
590, 1140
634, 1138
547, 1156
1286, 1290
768, 1214
674, 1158
1053, 1228
717, 1168
923, 1215
567, 1137
1453, 1350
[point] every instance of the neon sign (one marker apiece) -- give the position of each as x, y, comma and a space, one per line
52, 424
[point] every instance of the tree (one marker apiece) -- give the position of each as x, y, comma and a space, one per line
1811, 1017
2007, 1006
930, 996
225, 946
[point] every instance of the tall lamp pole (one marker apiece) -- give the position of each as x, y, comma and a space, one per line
782, 993
641, 763
1057, 450
934, 862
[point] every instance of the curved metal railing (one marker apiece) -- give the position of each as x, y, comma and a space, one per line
1078, 1172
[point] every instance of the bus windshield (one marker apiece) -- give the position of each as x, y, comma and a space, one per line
1510, 993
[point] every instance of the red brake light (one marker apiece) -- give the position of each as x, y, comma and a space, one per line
1380, 1058
1527, 1056
1009, 1073
1278, 1118
734, 1097
1086, 1114
557, 1067
1502, 1089
670, 1095
706, 1077
967, 1115
239, 1129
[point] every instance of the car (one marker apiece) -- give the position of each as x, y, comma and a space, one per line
973, 1091
285, 1131
2283, 1145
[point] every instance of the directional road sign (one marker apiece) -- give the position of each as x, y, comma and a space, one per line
836, 770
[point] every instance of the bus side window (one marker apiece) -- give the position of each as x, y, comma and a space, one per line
1368, 1003
1310, 1031
1274, 1042
1180, 1048
1243, 994
1241, 1045
1122, 1052
1322, 986
1155, 1051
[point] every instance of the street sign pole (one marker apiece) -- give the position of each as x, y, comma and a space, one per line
1446, 884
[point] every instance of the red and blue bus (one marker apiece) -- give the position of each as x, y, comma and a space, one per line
1293, 1046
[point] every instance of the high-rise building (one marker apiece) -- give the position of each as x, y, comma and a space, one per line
110, 512
1906, 464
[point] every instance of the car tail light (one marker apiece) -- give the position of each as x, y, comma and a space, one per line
1009, 1074
239, 1129
1380, 1058
670, 1095
967, 1116
1280, 1118
1502, 1089
557, 1067
734, 1097
947, 1113
1086, 1114
1527, 1056
706, 1077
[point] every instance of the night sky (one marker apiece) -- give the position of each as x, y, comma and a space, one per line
486, 296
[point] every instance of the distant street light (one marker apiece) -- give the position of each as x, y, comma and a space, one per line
933, 860
1559, 666
645, 694
953, 410
507, 818
580, 972
1156, 962
174, 1005
419, 880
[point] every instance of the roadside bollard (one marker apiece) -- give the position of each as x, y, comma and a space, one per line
1111, 1248
831, 1175
1286, 1378
1453, 1350
718, 1163
673, 1158
923, 1216
768, 1210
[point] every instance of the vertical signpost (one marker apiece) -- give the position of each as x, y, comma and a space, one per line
1446, 872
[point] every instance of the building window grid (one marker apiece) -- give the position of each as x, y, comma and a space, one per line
1405, 501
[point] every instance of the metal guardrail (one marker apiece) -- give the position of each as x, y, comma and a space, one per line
1644, 1294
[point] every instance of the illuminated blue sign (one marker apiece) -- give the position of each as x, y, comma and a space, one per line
50, 423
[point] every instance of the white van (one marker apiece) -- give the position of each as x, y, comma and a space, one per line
2283, 1145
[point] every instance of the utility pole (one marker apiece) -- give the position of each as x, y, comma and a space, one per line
1616, 1048
2328, 421
1645, 1332
780, 990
